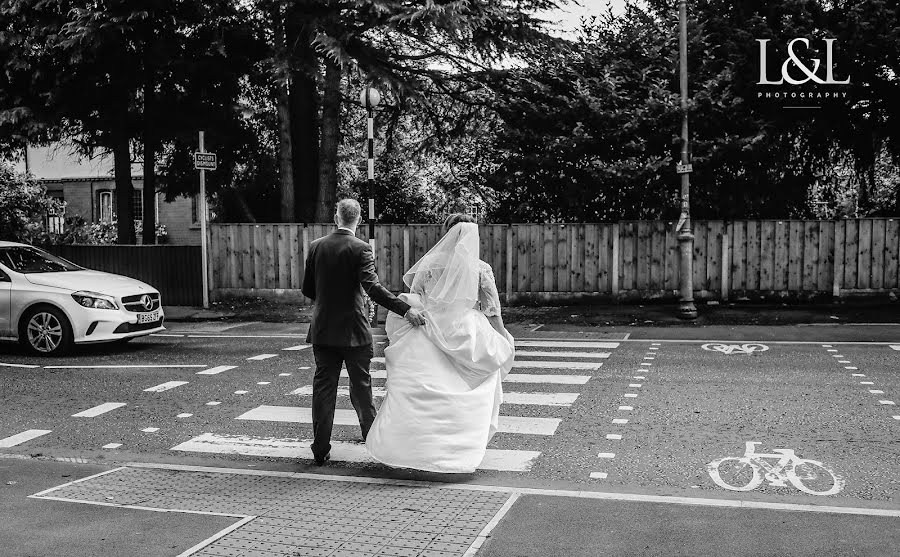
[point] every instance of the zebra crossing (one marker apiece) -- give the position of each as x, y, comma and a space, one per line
534, 385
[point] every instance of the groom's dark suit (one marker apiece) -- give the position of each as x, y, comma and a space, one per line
339, 268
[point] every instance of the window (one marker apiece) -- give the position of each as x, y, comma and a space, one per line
106, 206
137, 205
474, 211
32, 260
55, 222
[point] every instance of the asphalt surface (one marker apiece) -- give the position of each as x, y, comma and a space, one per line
694, 404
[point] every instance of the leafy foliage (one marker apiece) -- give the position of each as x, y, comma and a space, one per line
24, 207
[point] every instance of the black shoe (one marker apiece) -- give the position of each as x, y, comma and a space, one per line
321, 461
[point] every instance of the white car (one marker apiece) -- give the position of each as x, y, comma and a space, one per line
48, 304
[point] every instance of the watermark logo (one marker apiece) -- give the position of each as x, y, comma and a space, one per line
801, 76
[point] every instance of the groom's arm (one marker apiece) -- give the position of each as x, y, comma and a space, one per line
368, 278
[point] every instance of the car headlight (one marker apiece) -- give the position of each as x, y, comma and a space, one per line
94, 300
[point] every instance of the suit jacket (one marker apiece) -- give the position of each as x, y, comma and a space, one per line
339, 268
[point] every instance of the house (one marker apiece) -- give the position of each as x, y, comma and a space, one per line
88, 188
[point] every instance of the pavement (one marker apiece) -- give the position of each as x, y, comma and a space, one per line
706, 439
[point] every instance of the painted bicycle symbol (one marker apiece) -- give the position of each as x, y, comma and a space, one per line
735, 348
745, 473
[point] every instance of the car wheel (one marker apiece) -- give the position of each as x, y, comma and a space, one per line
45, 331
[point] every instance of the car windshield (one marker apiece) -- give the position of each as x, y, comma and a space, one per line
23, 259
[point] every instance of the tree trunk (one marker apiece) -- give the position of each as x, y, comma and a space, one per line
285, 143
331, 140
149, 192
124, 187
304, 109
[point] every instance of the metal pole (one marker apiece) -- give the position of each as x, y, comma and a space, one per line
204, 267
371, 187
686, 308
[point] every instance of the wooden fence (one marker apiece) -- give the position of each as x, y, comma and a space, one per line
173, 270
635, 260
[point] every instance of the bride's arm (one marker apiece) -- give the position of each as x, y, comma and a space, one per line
489, 299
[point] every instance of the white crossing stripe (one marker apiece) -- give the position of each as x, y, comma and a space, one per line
537, 364
598, 475
630, 395
341, 451
620, 421
887, 402
635, 385
165, 386
184, 415
540, 399
215, 370
262, 357
112, 446
97, 410
626, 407
23, 437
565, 344
150, 429
606, 455
303, 415
541, 354
298, 347
554, 379
613, 436
342, 390
374, 374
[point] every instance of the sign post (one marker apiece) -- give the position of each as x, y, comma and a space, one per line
204, 161
686, 307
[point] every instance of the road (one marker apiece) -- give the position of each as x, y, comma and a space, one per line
619, 428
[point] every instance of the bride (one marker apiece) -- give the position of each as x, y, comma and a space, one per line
444, 379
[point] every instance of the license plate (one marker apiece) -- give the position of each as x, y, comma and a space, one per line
148, 317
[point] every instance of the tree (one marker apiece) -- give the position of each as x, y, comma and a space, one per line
24, 207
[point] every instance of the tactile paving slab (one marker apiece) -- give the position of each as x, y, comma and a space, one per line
295, 516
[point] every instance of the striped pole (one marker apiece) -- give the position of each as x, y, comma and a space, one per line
372, 177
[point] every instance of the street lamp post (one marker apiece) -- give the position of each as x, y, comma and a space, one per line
686, 307
369, 98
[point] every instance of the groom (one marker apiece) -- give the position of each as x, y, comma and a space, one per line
339, 269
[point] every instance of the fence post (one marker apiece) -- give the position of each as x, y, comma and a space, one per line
406, 263
509, 264
726, 265
838, 271
614, 272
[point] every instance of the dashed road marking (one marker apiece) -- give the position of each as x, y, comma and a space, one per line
635, 385
341, 451
284, 375
213, 403
296, 348
261, 357
613, 436
129, 366
850, 367
26, 366
99, 409
150, 429
23, 437
263, 382
866, 383
215, 370
598, 475
112, 445
626, 407
639, 377
620, 421
606, 455
165, 386
240, 392
630, 395
184, 415
857, 375
886, 402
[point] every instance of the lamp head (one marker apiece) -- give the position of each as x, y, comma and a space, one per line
370, 97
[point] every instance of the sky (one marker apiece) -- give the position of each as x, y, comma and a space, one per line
569, 17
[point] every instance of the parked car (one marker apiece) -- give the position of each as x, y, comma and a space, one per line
48, 304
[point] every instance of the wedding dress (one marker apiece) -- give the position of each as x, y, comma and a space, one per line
444, 379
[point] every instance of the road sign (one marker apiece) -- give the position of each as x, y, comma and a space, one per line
684, 168
205, 161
